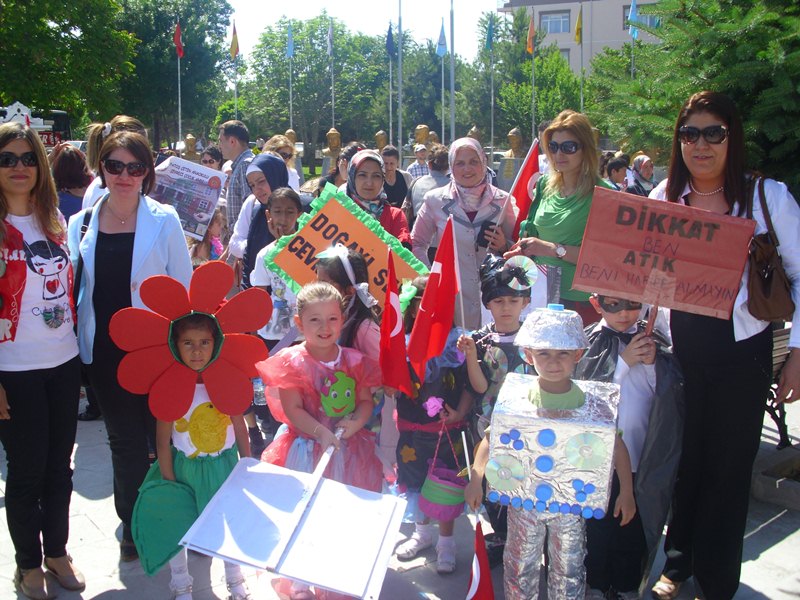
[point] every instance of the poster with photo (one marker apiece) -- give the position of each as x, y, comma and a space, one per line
192, 189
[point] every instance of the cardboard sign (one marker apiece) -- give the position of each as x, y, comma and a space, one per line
663, 253
336, 219
193, 190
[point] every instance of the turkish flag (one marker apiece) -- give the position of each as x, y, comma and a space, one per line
480, 581
176, 37
437, 308
524, 186
393, 362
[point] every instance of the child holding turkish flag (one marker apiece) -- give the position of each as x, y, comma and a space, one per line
430, 422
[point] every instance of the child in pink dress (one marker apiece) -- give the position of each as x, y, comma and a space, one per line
317, 387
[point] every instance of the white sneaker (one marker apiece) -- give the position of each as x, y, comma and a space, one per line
418, 542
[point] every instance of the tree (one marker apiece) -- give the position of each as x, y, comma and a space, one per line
748, 50
64, 55
557, 88
150, 92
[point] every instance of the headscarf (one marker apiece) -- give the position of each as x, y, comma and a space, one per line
637, 164
258, 235
374, 207
472, 198
273, 168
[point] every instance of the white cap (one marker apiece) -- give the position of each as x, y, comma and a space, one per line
419, 147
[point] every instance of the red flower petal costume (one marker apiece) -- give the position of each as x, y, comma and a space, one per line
150, 365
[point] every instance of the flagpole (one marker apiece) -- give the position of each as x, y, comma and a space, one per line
236, 87
633, 44
444, 139
452, 74
533, 79
400, 78
333, 91
581, 49
180, 128
491, 77
391, 117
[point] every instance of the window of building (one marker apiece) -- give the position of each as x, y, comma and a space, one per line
555, 22
647, 20
565, 54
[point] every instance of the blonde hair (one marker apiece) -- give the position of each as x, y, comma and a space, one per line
578, 125
43, 195
317, 291
275, 143
97, 133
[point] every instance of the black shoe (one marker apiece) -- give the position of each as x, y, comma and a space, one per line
90, 414
127, 551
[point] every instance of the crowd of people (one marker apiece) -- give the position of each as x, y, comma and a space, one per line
80, 234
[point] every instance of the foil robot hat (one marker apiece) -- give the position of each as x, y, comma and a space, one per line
552, 328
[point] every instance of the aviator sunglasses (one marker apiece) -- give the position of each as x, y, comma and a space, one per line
715, 134
116, 167
568, 147
9, 160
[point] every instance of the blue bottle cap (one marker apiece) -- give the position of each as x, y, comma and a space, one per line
555, 307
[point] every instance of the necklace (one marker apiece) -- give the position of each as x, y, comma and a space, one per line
716, 191
117, 217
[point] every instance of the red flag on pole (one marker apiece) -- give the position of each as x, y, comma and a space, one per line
524, 186
176, 37
437, 308
480, 581
393, 338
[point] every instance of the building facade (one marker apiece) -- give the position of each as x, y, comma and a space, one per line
604, 25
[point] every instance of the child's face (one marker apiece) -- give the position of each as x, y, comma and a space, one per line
619, 314
321, 323
282, 215
554, 366
506, 310
196, 347
215, 228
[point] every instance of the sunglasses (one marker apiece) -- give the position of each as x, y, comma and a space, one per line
116, 167
286, 155
568, 147
715, 134
9, 160
618, 305
208, 161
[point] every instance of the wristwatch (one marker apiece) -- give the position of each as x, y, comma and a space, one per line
561, 252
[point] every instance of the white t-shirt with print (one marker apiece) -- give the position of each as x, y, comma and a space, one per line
203, 430
44, 337
284, 301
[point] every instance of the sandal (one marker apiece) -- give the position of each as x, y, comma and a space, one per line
665, 589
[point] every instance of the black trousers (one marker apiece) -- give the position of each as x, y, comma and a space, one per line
615, 555
726, 391
131, 431
38, 441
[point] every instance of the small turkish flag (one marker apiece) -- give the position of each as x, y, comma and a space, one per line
480, 580
394, 366
524, 187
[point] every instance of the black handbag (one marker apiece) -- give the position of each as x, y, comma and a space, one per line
769, 291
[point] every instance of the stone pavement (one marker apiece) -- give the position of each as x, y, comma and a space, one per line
771, 563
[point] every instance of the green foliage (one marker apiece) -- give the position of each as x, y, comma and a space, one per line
150, 92
63, 55
748, 50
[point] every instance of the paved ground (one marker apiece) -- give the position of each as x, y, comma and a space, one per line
770, 566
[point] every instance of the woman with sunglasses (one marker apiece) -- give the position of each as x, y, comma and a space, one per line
727, 364
553, 232
283, 146
129, 238
39, 365
211, 157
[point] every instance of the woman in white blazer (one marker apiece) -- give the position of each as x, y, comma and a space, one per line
129, 237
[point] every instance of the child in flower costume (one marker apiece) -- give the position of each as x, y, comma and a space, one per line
196, 369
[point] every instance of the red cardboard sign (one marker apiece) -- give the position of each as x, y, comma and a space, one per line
663, 253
